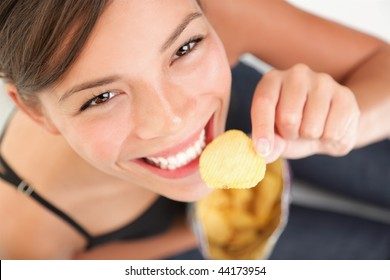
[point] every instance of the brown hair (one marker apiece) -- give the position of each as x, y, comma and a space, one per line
39, 40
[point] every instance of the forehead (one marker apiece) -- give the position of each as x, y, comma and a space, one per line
141, 16
130, 30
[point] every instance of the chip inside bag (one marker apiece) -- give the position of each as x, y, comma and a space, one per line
237, 223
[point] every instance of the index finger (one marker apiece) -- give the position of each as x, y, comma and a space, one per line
263, 110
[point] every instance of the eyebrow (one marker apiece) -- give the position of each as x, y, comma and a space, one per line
111, 79
179, 29
89, 85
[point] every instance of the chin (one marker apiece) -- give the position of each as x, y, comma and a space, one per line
189, 193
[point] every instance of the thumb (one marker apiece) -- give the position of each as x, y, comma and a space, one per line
263, 144
278, 149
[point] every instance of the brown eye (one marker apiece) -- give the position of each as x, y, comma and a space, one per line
98, 100
187, 47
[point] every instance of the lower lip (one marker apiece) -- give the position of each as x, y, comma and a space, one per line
185, 170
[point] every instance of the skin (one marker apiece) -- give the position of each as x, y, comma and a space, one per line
357, 61
296, 111
157, 83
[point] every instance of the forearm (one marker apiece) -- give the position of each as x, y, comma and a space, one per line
370, 82
357, 60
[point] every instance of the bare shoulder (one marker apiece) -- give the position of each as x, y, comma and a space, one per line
96, 201
38, 157
25, 142
29, 232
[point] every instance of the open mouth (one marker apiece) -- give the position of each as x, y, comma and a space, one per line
183, 159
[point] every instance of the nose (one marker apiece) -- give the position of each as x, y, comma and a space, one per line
161, 110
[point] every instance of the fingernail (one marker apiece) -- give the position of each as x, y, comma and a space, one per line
262, 147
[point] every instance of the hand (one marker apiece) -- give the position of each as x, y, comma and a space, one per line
297, 113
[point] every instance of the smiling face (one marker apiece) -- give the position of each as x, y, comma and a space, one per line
149, 89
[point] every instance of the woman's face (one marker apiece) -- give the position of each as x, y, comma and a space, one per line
150, 88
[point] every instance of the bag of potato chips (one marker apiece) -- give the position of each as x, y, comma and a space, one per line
243, 223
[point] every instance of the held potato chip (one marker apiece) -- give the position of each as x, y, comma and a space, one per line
230, 161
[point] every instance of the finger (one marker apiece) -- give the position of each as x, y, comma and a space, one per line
278, 149
346, 143
291, 103
263, 109
317, 108
341, 115
295, 149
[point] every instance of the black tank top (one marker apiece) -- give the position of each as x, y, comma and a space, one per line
156, 219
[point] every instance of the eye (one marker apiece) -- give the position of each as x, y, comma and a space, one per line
98, 100
187, 47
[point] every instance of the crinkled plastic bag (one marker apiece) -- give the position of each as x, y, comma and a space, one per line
243, 224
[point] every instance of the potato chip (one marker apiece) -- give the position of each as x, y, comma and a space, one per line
230, 161
240, 199
216, 225
242, 239
219, 253
240, 219
240, 223
268, 192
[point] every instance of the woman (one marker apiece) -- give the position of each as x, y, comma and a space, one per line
117, 99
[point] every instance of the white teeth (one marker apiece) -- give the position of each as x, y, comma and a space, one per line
182, 158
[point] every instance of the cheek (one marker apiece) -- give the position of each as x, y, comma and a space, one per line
215, 76
98, 140
215, 72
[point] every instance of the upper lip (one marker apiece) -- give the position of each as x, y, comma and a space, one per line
180, 147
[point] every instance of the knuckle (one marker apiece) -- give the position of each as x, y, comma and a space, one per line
340, 147
310, 132
288, 119
332, 136
301, 68
324, 82
357, 113
346, 97
299, 72
323, 85
272, 74
299, 75
324, 78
